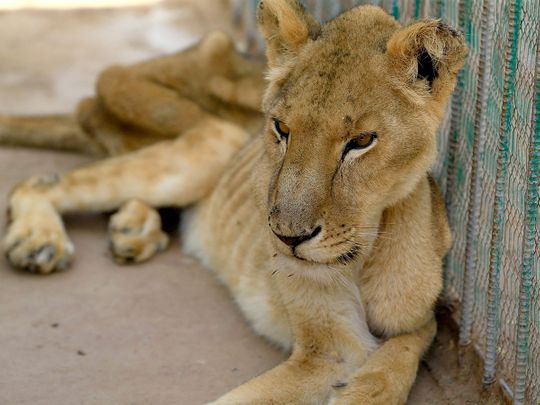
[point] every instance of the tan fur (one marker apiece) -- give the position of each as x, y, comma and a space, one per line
374, 265
152, 101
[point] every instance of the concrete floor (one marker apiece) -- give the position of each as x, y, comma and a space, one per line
159, 333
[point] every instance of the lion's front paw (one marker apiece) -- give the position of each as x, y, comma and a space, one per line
38, 243
135, 233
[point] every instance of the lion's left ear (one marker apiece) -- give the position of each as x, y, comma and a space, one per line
428, 53
286, 27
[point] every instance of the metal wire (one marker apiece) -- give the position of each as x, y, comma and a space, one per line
492, 334
484, 76
527, 275
452, 280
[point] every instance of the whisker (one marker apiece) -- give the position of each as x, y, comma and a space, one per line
386, 236
374, 226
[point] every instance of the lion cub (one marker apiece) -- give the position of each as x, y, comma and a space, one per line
326, 226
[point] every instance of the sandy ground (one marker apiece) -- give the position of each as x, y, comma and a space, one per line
160, 333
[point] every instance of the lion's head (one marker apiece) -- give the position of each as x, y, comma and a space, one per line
352, 109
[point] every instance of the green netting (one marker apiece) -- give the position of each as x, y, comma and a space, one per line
488, 169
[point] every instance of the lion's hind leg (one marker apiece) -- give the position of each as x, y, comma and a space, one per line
139, 101
170, 173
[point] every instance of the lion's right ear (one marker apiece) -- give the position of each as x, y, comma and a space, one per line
286, 27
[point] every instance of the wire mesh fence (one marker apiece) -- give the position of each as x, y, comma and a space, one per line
488, 169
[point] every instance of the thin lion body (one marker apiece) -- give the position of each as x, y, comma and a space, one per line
326, 226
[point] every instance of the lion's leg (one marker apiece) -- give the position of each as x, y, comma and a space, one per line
172, 173
54, 131
388, 375
112, 135
135, 233
331, 340
299, 381
141, 102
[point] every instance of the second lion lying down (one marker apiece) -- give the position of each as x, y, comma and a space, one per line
326, 227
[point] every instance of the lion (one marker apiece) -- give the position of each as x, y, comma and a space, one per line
326, 226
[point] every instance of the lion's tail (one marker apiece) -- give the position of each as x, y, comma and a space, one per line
61, 132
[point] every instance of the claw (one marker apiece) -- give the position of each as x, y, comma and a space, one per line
340, 384
43, 254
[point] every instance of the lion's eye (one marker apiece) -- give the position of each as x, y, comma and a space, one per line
281, 129
361, 142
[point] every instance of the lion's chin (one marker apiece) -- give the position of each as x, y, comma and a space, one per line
292, 268
343, 259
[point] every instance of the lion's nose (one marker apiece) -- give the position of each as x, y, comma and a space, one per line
294, 241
